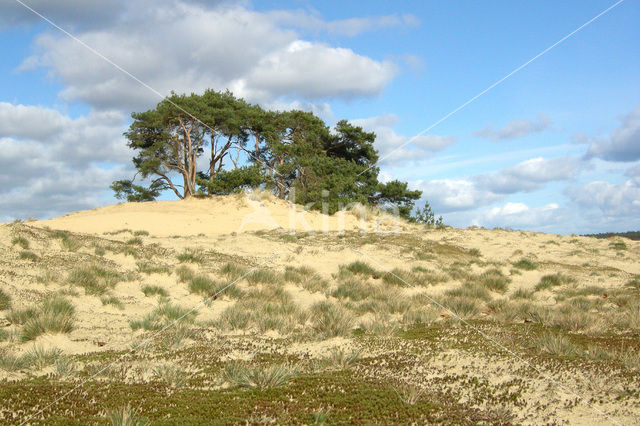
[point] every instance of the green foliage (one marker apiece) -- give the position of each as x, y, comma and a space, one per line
426, 216
231, 181
292, 154
136, 193
632, 235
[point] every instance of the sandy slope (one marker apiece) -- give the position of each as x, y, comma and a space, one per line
251, 231
216, 216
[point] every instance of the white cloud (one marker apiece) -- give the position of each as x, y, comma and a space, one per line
622, 144
520, 215
52, 164
448, 195
621, 200
190, 47
312, 70
390, 144
515, 129
529, 175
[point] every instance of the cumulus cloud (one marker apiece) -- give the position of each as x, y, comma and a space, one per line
312, 70
520, 215
460, 195
390, 144
515, 129
622, 144
52, 164
621, 200
188, 47
449, 195
529, 175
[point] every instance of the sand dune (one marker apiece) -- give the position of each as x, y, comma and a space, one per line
304, 286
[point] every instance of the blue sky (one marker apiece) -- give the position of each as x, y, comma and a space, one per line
555, 148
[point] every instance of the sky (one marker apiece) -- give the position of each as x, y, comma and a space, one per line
487, 107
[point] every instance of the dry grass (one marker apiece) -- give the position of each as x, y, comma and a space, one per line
125, 416
331, 320
191, 255
5, 300
258, 377
20, 241
54, 315
154, 290
553, 280
525, 264
556, 344
95, 279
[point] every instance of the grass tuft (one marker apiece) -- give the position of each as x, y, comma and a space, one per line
28, 255
258, 377
154, 290
191, 255
521, 293
5, 300
233, 271
549, 281
494, 280
331, 320
125, 416
463, 307
263, 276
174, 377
54, 315
41, 357
112, 300
525, 264
21, 241
339, 359
70, 243
95, 279
556, 344
152, 268
135, 241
